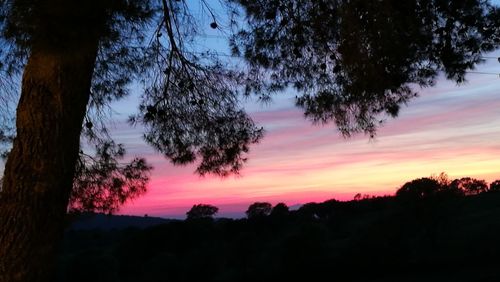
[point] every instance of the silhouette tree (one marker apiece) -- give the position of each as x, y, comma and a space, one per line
442, 179
470, 186
351, 61
202, 211
280, 210
309, 210
495, 186
76, 57
258, 210
357, 197
420, 188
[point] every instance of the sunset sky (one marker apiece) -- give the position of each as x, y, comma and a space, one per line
449, 128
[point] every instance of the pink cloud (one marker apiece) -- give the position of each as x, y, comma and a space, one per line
448, 128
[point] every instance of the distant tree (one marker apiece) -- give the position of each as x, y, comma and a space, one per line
202, 211
442, 179
328, 208
495, 186
357, 197
259, 209
309, 210
420, 188
280, 210
367, 197
469, 186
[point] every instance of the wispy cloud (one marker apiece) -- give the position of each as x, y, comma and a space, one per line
448, 128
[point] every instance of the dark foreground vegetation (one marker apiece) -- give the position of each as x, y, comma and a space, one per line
440, 235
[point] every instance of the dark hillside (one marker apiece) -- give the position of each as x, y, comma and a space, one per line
91, 221
373, 239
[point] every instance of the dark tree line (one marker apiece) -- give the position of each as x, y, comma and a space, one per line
428, 187
438, 187
391, 238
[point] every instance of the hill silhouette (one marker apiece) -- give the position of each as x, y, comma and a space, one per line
89, 221
441, 236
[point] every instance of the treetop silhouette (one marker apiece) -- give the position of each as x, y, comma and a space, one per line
258, 210
469, 186
495, 186
201, 211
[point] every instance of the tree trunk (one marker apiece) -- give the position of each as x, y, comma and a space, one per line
40, 168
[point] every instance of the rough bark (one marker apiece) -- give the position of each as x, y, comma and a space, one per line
39, 171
